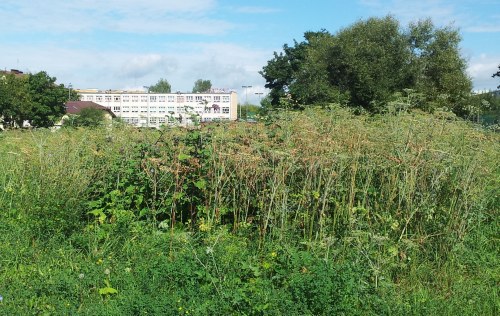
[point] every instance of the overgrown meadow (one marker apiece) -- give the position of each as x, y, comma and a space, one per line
319, 212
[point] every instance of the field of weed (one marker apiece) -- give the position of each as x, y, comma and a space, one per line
319, 212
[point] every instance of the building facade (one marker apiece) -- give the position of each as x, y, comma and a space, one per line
144, 109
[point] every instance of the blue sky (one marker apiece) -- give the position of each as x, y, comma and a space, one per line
127, 44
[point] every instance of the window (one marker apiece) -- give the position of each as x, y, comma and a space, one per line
125, 98
208, 98
217, 98
107, 98
180, 99
153, 120
225, 110
116, 98
171, 109
135, 98
199, 98
189, 98
90, 98
144, 98
152, 109
162, 109
125, 109
225, 98
144, 109
161, 120
135, 109
208, 109
116, 109
171, 98
98, 98
161, 98
152, 98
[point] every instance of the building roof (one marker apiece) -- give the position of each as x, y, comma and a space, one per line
74, 107
14, 72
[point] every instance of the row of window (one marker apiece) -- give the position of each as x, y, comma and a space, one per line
163, 120
163, 109
154, 98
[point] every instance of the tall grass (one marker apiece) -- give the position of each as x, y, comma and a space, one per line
399, 199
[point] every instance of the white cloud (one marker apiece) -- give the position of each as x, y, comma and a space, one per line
481, 69
227, 66
485, 28
141, 65
146, 16
469, 16
440, 11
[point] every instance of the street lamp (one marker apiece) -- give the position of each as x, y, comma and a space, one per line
259, 94
246, 96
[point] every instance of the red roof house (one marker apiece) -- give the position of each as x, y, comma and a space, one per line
74, 107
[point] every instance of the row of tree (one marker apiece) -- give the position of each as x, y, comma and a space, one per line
163, 86
32, 98
373, 64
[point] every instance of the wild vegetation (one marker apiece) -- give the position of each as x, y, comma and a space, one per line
371, 65
373, 199
319, 212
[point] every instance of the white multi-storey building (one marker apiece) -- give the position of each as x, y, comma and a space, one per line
144, 109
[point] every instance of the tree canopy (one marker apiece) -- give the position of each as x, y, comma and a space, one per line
89, 117
32, 98
162, 86
370, 63
202, 86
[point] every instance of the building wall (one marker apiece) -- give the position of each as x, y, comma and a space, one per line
156, 109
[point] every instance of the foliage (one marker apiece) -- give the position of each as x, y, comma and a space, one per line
201, 86
14, 100
318, 212
248, 111
367, 63
90, 117
438, 70
162, 86
34, 98
369, 59
280, 71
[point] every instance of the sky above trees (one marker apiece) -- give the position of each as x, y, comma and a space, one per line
127, 44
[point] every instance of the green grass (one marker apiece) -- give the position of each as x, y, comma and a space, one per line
307, 213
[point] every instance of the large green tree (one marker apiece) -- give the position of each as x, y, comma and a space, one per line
32, 98
368, 64
14, 99
201, 86
281, 71
437, 68
162, 86
47, 100
369, 60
